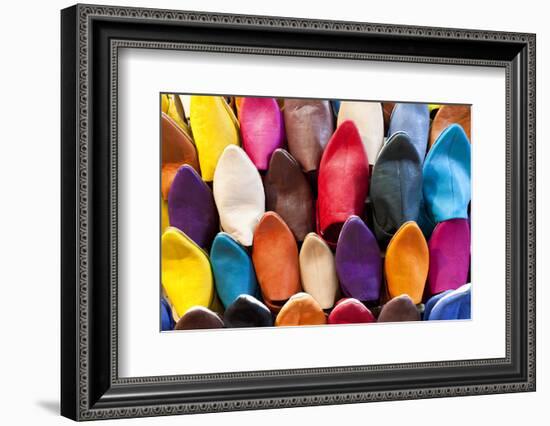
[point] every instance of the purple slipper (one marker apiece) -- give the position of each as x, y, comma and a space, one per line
449, 248
358, 261
191, 207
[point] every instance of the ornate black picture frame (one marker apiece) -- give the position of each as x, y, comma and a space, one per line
90, 39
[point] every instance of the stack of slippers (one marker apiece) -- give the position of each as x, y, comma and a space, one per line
308, 212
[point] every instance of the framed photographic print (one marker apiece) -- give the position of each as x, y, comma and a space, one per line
263, 212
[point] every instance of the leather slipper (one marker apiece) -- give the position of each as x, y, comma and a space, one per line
407, 262
449, 248
214, 127
247, 311
455, 305
429, 305
275, 258
186, 273
262, 129
350, 311
309, 124
369, 120
343, 181
301, 309
446, 173
177, 149
172, 106
447, 115
358, 261
166, 320
318, 271
199, 318
233, 271
400, 308
396, 186
191, 207
413, 119
239, 194
287, 192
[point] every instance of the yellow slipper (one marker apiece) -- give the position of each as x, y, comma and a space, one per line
214, 127
186, 272
407, 262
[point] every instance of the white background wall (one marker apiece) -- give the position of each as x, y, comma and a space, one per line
29, 211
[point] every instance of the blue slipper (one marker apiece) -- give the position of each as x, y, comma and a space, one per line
453, 306
233, 271
413, 119
166, 320
431, 303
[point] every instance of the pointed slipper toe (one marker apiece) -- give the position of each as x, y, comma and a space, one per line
396, 186
262, 129
287, 192
199, 318
407, 262
275, 259
343, 181
429, 305
191, 207
309, 123
177, 150
318, 271
358, 261
446, 173
414, 120
247, 311
186, 274
455, 305
400, 308
447, 115
214, 127
369, 120
233, 271
239, 194
301, 309
350, 311
449, 248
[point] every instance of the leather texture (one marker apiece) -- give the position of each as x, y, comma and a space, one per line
400, 308
186, 274
369, 120
287, 192
343, 181
429, 305
455, 305
301, 309
387, 108
164, 220
177, 149
199, 318
166, 320
262, 129
350, 311
396, 186
214, 127
449, 248
239, 194
358, 261
447, 115
275, 259
446, 176
172, 106
191, 207
318, 271
407, 262
247, 311
233, 271
309, 124
414, 120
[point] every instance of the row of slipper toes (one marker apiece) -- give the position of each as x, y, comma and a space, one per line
332, 212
